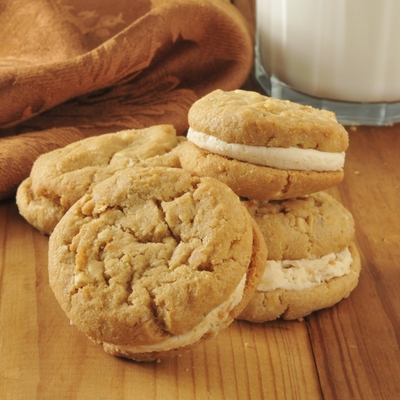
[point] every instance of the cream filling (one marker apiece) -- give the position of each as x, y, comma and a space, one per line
305, 273
276, 157
211, 321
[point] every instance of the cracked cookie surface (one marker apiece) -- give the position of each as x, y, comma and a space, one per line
299, 233
247, 117
62, 176
303, 227
149, 253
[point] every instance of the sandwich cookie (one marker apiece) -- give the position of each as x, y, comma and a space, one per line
61, 177
264, 148
312, 263
154, 261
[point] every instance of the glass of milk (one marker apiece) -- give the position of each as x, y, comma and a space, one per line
340, 55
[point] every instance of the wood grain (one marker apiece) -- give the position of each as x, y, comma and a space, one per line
357, 343
349, 351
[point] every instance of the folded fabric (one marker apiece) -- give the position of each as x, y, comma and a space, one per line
71, 69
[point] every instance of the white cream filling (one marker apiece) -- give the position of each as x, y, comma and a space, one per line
276, 157
211, 321
305, 273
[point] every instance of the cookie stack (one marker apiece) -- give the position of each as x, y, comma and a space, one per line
158, 242
145, 258
279, 156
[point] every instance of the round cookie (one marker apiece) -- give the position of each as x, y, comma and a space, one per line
155, 260
264, 148
312, 263
247, 117
61, 177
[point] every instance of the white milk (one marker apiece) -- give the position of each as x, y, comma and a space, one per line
347, 50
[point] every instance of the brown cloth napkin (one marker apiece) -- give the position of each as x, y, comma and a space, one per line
70, 69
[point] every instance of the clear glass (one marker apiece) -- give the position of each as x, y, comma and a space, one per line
341, 55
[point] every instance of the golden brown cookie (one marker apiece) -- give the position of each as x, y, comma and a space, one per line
312, 263
61, 177
155, 260
264, 148
303, 227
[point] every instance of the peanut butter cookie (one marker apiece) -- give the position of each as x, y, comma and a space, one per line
155, 260
61, 177
264, 148
312, 263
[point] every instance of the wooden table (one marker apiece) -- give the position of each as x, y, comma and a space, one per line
350, 351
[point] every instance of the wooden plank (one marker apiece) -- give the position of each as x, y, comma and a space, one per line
357, 343
18, 310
